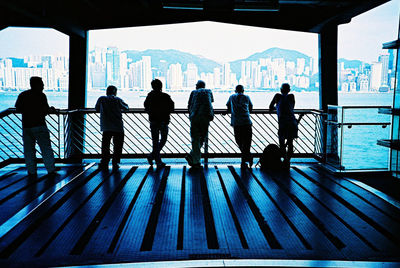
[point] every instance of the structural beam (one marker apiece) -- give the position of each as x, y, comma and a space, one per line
76, 97
328, 91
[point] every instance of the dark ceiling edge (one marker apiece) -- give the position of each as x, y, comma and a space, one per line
343, 17
67, 28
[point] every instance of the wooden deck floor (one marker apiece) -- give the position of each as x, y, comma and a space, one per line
88, 216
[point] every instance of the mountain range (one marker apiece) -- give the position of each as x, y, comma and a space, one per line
160, 58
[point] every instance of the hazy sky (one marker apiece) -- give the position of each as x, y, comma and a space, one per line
361, 39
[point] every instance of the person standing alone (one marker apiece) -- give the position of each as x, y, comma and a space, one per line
200, 114
159, 106
240, 107
34, 107
110, 108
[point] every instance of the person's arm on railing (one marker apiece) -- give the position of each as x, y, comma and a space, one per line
123, 105
228, 106
190, 101
97, 107
250, 105
273, 102
171, 104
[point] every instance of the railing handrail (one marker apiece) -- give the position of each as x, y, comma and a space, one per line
184, 110
358, 107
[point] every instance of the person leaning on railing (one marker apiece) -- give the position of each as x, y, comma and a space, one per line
200, 114
288, 124
111, 124
34, 107
159, 106
240, 106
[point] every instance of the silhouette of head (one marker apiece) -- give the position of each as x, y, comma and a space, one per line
36, 83
285, 88
156, 85
239, 89
200, 84
111, 90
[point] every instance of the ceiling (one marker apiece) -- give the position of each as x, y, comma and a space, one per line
75, 17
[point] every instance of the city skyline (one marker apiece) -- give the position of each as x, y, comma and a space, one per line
133, 70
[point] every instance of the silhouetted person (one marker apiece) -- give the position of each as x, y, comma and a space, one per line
288, 125
34, 107
240, 107
159, 106
200, 114
111, 124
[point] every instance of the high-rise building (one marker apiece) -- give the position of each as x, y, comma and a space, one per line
217, 77
227, 76
376, 76
146, 74
384, 59
113, 66
191, 75
175, 76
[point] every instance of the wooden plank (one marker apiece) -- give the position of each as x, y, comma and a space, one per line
132, 236
355, 233
25, 196
194, 234
103, 237
230, 233
377, 220
57, 235
251, 229
322, 216
166, 236
280, 227
23, 231
373, 200
22, 183
303, 224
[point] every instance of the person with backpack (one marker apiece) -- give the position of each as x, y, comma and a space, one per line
159, 106
240, 107
288, 125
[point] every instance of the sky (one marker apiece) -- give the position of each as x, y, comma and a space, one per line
361, 39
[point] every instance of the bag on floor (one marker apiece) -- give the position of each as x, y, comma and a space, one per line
271, 158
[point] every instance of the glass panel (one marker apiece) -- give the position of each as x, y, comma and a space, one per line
333, 136
360, 149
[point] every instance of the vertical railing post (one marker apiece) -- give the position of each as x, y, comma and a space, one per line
206, 151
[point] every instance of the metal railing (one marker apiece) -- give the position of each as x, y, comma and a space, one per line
84, 135
352, 134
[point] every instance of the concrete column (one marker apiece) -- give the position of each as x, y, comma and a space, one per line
327, 45
328, 91
74, 131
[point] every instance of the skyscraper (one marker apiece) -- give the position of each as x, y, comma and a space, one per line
384, 59
112, 66
376, 76
191, 75
227, 75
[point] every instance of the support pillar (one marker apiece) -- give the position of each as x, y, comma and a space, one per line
74, 127
328, 91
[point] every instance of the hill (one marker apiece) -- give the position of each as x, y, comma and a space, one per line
274, 53
162, 58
